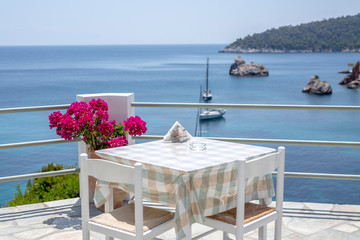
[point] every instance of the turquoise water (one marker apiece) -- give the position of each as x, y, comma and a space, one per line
32, 76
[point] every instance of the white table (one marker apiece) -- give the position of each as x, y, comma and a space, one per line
196, 183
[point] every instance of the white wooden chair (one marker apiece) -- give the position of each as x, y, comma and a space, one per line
127, 222
249, 216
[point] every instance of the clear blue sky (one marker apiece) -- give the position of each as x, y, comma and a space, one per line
101, 22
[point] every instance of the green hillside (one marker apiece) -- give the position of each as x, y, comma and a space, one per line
331, 35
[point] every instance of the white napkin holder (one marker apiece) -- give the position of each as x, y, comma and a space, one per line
177, 133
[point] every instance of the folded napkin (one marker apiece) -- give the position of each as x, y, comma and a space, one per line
177, 133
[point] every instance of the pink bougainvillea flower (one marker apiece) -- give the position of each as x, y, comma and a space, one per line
102, 115
86, 119
91, 122
98, 104
106, 128
117, 142
77, 109
68, 129
135, 126
54, 119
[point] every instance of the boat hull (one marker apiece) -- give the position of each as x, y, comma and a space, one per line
212, 114
207, 95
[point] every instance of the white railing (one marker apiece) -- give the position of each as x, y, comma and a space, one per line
36, 143
34, 109
247, 106
194, 105
269, 141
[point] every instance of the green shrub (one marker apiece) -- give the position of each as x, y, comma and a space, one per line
48, 188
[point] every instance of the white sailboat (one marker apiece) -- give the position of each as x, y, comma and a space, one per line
212, 113
207, 93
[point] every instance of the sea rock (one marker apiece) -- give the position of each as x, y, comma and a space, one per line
241, 68
315, 86
345, 71
352, 77
346, 80
354, 84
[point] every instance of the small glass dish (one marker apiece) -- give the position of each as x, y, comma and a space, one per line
197, 146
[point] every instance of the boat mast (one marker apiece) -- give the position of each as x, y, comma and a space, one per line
198, 116
207, 76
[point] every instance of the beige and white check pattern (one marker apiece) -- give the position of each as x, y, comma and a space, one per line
196, 183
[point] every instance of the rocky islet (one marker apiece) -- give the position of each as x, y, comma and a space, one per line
315, 86
352, 80
241, 68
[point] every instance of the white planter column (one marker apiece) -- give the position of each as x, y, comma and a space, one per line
119, 109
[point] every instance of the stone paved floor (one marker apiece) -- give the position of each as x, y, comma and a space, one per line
61, 220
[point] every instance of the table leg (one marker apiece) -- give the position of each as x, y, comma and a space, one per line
265, 202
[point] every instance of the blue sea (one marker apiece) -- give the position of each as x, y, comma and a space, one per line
48, 75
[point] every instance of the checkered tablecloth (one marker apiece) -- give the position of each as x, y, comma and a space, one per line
196, 183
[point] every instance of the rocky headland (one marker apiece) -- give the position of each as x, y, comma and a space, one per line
329, 35
352, 80
241, 68
315, 86
273, 50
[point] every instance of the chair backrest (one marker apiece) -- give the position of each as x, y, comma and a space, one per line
259, 167
111, 172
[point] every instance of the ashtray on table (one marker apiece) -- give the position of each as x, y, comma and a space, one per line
197, 146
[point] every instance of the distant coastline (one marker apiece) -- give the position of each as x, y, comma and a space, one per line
270, 50
332, 35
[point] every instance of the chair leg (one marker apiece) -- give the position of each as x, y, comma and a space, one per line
85, 234
225, 236
188, 233
239, 237
262, 232
278, 225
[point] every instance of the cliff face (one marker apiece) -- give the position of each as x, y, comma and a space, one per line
352, 80
241, 68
